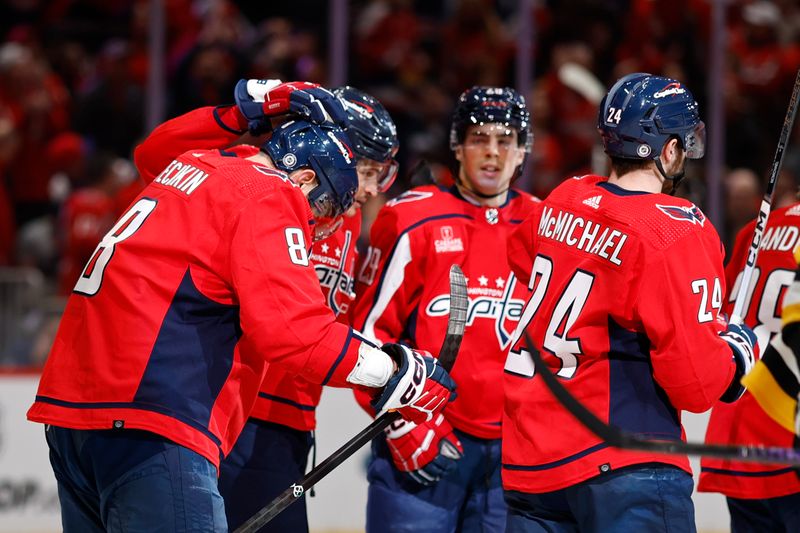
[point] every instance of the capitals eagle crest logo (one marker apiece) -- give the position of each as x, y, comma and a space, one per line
687, 214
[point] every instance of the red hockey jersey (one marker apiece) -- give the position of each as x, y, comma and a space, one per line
85, 217
289, 399
203, 280
404, 292
744, 422
284, 398
626, 291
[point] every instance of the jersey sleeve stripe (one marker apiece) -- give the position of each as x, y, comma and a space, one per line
339, 358
222, 124
365, 340
132, 405
287, 401
560, 462
391, 280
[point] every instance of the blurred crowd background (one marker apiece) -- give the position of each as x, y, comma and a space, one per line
73, 93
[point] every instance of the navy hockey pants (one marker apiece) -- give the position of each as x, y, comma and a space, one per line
266, 459
652, 498
129, 480
468, 499
778, 515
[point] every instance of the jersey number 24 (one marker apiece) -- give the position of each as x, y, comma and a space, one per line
557, 339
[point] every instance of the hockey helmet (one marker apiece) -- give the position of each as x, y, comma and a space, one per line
326, 150
484, 105
642, 112
371, 130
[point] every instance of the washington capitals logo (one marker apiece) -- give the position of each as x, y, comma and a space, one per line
672, 88
359, 107
678, 212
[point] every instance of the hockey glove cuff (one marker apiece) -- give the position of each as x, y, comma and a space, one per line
744, 345
419, 389
426, 452
260, 100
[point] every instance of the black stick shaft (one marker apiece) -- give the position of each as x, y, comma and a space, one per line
627, 441
447, 355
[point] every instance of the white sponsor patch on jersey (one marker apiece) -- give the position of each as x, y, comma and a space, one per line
448, 243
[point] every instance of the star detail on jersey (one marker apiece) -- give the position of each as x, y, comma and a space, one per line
324, 248
499, 282
679, 212
483, 280
497, 305
338, 252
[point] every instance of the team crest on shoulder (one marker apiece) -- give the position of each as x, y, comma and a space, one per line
688, 214
409, 196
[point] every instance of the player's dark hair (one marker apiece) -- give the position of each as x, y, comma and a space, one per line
483, 105
622, 166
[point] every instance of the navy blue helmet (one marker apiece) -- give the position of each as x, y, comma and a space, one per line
642, 112
326, 150
483, 105
371, 131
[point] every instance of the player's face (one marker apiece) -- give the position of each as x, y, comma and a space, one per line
369, 176
489, 157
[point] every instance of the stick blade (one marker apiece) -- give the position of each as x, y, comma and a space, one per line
459, 303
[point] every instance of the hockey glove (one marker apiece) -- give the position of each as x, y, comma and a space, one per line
744, 346
426, 452
419, 389
260, 100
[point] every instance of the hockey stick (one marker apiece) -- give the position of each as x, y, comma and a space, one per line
447, 357
618, 438
766, 205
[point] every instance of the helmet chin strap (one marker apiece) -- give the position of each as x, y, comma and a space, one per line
675, 178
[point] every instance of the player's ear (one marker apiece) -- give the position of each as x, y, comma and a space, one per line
671, 150
458, 151
519, 157
303, 176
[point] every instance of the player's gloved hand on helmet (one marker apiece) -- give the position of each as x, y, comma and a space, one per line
427, 451
260, 100
744, 345
419, 389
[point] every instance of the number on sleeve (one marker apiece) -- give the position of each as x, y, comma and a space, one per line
298, 253
91, 279
370, 267
705, 312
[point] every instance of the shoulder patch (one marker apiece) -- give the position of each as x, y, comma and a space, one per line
684, 213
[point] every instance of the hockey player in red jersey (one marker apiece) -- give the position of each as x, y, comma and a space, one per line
760, 497
627, 286
166, 337
444, 475
272, 451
